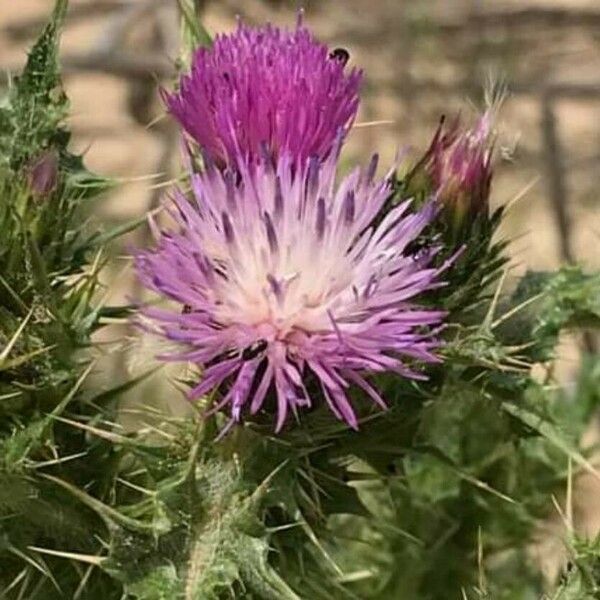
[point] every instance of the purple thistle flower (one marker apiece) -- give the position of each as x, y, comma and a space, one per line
266, 88
284, 277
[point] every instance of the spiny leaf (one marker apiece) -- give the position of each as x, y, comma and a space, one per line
552, 434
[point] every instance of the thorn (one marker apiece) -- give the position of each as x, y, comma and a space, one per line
515, 310
560, 512
137, 488
569, 499
90, 559
481, 572
520, 195
57, 461
7, 349
365, 124
115, 438
487, 321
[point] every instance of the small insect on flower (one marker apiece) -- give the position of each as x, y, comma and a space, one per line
285, 278
266, 88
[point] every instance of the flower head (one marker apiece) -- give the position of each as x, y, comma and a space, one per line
457, 168
266, 88
284, 278
43, 173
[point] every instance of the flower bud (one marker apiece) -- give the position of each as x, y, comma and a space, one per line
43, 173
457, 169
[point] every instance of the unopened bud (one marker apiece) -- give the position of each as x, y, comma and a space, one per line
43, 173
457, 169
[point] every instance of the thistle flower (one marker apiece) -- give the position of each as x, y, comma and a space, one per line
266, 88
281, 278
457, 169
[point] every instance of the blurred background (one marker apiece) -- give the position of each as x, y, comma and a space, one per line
422, 59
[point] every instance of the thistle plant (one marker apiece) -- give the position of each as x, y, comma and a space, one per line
364, 420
